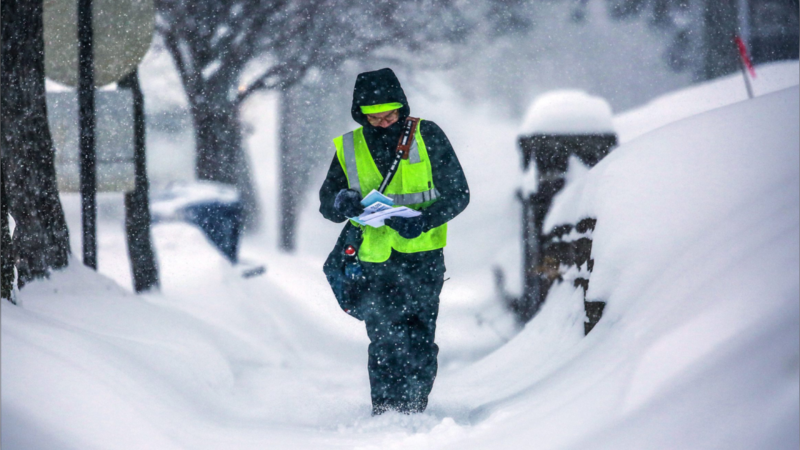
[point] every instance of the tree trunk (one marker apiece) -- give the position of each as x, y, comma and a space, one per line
6, 265
41, 239
6, 258
137, 203
720, 57
218, 139
312, 113
290, 174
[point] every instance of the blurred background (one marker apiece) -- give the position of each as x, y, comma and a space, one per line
210, 61
214, 122
249, 94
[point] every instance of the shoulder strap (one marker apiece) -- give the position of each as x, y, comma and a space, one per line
407, 137
403, 146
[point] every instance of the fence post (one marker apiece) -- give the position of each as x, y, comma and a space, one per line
137, 203
546, 147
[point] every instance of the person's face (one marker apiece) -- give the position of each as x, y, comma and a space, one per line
384, 119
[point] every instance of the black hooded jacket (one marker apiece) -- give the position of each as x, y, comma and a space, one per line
382, 86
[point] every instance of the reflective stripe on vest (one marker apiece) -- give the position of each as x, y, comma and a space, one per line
350, 160
412, 199
398, 199
413, 153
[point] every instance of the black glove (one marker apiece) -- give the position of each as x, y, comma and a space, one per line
348, 203
408, 227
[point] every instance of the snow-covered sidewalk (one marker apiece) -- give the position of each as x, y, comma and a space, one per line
697, 251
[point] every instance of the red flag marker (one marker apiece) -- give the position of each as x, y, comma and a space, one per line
745, 56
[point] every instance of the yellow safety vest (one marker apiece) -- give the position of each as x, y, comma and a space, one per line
412, 186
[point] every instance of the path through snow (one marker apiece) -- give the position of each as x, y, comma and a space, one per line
698, 348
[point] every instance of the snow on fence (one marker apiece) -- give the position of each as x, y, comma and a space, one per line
559, 126
566, 256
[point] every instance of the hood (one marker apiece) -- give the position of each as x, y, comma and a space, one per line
375, 88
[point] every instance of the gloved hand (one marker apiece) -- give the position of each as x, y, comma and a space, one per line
408, 227
348, 203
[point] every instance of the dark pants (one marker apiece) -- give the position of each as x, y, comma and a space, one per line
400, 306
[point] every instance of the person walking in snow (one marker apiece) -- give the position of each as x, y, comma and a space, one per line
402, 262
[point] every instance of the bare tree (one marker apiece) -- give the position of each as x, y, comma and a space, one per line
6, 264
702, 31
6, 259
312, 112
41, 239
210, 53
213, 41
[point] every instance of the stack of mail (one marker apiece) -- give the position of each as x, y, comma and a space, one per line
378, 208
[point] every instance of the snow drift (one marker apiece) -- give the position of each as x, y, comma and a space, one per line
696, 249
696, 252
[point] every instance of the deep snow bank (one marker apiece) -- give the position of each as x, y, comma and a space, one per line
696, 251
703, 97
211, 362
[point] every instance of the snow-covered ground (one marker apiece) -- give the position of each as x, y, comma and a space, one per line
696, 252
703, 97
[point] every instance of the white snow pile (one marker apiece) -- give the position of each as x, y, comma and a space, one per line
696, 249
568, 112
696, 252
704, 97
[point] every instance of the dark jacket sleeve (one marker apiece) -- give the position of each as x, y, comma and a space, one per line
448, 177
334, 182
